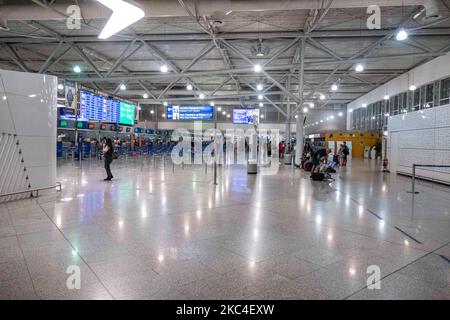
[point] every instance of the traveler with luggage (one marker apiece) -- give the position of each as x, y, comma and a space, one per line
318, 156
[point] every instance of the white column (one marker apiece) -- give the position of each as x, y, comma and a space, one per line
300, 132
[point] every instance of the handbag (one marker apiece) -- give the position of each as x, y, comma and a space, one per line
115, 155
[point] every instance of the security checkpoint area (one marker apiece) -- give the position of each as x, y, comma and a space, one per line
236, 152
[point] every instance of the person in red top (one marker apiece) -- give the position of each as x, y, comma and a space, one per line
281, 149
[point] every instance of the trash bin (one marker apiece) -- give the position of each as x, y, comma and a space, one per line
288, 159
252, 167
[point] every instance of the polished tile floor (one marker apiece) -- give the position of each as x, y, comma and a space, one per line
158, 232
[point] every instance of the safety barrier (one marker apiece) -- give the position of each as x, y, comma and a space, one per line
413, 182
31, 191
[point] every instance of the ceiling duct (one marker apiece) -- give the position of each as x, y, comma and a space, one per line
429, 13
260, 50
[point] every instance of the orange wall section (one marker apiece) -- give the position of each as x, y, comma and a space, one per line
359, 140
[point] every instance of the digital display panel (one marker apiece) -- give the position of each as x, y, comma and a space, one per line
81, 125
103, 126
128, 129
120, 129
246, 116
98, 108
63, 123
126, 113
181, 112
91, 126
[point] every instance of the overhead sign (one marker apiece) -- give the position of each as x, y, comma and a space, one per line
246, 116
204, 112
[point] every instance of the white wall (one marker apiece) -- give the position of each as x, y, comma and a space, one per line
28, 111
420, 137
435, 69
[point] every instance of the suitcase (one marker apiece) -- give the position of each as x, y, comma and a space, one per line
336, 158
318, 176
308, 166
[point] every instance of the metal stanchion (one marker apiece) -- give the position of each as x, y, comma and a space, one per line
173, 167
413, 182
215, 170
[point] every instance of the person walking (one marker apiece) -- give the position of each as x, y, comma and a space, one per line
108, 155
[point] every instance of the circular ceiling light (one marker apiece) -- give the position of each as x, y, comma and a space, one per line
401, 35
334, 87
359, 67
123, 87
259, 87
189, 87
257, 68
145, 96
77, 69
164, 68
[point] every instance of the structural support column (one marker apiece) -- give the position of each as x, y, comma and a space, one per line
300, 135
288, 113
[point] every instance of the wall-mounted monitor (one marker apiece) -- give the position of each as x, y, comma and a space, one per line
101, 108
184, 112
120, 129
128, 129
103, 126
91, 126
246, 116
126, 113
112, 127
81, 125
63, 123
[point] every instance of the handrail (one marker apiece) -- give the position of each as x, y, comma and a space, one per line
413, 182
58, 184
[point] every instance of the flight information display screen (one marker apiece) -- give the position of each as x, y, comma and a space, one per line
245, 116
99, 108
181, 112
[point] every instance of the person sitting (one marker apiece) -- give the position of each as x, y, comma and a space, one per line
318, 157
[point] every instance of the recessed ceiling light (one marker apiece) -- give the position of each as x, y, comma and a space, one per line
152, 111
359, 67
259, 87
164, 68
340, 114
334, 87
261, 104
123, 87
257, 68
262, 116
201, 96
311, 105
212, 103
351, 110
219, 109
412, 88
305, 109
189, 87
165, 103
322, 97
145, 96
386, 97
77, 69
401, 35
224, 113
364, 105
260, 97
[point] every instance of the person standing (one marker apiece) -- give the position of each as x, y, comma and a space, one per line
108, 155
345, 153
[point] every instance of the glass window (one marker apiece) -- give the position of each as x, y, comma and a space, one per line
429, 96
445, 92
416, 100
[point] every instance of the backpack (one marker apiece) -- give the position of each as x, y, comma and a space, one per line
318, 176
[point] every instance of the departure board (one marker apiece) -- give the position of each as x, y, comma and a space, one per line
98, 108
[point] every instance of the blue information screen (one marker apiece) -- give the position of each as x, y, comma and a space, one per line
245, 116
190, 112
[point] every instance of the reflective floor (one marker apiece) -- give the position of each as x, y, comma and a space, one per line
158, 232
